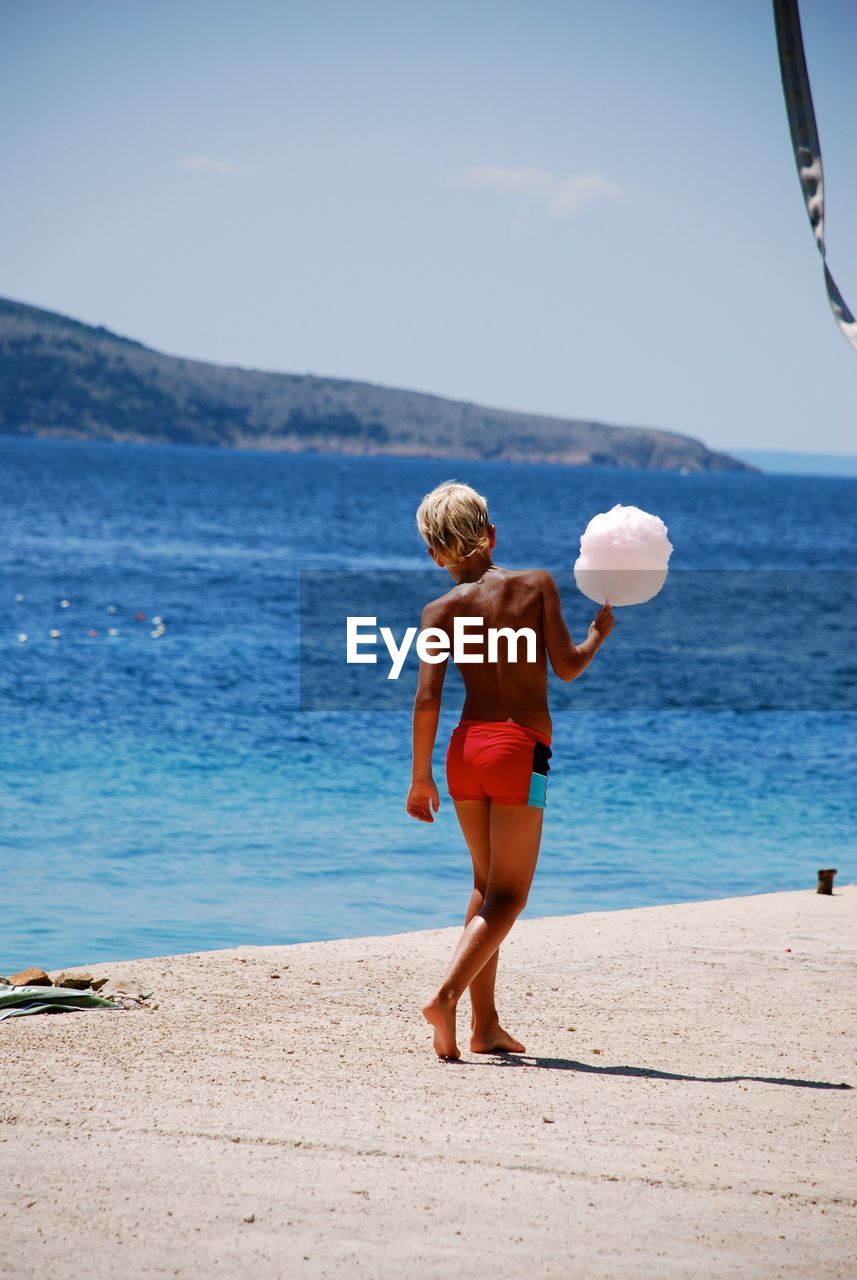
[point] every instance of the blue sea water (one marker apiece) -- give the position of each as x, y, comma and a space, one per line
176, 792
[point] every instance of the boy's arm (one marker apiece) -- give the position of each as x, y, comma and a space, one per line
423, 794
567, 658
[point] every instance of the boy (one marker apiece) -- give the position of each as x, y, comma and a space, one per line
497, 762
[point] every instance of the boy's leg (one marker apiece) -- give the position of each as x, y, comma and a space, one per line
514, 832
474, 817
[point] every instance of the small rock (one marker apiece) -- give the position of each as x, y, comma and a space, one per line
596, 1050
98, 983
273, 975
571, 1028
249, 1217
77, 981
128, 986
31, 978
548, 1120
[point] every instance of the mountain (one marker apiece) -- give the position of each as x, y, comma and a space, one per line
781, 462
59, 377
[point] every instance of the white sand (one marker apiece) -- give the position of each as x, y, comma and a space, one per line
707, 1138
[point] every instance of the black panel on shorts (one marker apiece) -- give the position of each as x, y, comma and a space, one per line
541, 755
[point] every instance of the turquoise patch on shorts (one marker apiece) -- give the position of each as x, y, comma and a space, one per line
538, 791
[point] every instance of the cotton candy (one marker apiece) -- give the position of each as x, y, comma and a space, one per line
624, 554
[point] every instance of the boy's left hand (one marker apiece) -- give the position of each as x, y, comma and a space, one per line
422, 798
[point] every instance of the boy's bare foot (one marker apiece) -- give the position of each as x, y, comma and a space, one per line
495, 1040
441, 1015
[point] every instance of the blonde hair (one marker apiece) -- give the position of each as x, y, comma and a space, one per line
453, 520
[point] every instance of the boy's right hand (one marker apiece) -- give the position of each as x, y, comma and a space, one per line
603, 622
422, 798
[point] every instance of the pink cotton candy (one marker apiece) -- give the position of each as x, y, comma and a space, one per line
624, 554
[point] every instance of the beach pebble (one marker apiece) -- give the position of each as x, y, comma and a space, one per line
31, 978
127, 986
77, 981
249, 1217
548, 1120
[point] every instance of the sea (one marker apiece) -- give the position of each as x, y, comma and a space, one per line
187, 763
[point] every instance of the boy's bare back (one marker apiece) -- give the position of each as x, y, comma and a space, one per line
512, 598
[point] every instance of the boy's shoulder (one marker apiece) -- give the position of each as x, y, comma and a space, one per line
535, 577
440, 607
526, 579
540, 578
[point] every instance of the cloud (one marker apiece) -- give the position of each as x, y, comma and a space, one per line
206, 164
559, 198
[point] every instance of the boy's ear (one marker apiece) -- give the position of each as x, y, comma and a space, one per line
434, 555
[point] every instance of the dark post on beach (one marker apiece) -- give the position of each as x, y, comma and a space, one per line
825, 879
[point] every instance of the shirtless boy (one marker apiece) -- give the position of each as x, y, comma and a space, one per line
497, 761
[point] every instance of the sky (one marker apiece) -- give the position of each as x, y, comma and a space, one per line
587, 210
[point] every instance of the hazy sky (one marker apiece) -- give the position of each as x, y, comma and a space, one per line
585, 209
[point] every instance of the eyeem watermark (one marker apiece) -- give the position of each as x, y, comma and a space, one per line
689, 650
433, 643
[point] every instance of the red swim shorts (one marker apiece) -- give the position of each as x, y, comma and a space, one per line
498, 760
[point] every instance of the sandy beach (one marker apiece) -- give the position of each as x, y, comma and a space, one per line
686, 1107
